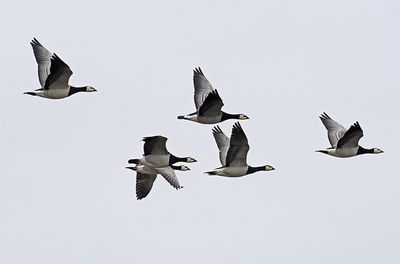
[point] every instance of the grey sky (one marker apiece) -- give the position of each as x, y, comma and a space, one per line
65, 196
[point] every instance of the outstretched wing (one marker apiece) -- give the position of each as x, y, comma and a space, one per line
335, 130
238, 147
59, 74
222, 142
202, 87
144, 183
212, 105
169, 175
42, 56
351, 137
155, 145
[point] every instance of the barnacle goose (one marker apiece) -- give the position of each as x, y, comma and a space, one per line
156, 154
233, 153
208, 103
344, 142
54, 75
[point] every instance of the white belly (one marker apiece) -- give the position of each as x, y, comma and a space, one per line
53, 93
205, 119
155, 161
57, 93
232, 171
343, 152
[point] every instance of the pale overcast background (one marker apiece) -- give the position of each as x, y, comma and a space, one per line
66, 197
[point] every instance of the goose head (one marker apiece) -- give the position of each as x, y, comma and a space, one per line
182, 168
243, 117
190, 160
90, 89
376, 151
269, 168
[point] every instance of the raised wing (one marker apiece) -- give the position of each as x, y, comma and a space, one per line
169, 175
335, 130
222, 142
42, 56
59, 74
351, 137
202, 87
155, 145
238, 148
212, 105
144, 183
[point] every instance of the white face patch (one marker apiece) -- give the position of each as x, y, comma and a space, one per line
243, 117
269, 168
377, 151
190, 160
184, 168
90, 89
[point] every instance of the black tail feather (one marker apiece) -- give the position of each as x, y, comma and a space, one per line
31, 93
133, 161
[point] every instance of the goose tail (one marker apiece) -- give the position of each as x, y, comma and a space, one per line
31, 93
134, 161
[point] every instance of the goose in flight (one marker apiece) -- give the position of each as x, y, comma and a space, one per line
156, 154
54, 75
233, 153
208, 103
145, 177
344, 142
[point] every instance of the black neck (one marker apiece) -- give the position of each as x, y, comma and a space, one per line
362, 150
226, 116
174, 159
73, 90
255, 169
176, 167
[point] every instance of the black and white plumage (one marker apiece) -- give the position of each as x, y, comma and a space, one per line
208, 103
156, 154
233, 153
145, 177
344, 142
53, 74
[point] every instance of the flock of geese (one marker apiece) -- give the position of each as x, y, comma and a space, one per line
54, 76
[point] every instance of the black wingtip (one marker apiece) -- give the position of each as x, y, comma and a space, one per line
356, 125
215, 91
216, 130
237, 125
322, 151
211, 172
181, 117
157, 137
34, 41
30, 93
198, 71
324, 115
54, 57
